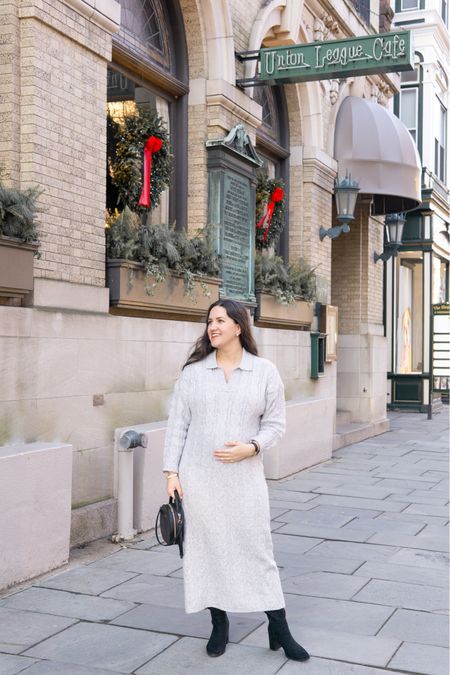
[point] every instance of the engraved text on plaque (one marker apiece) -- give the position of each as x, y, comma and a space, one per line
237, 237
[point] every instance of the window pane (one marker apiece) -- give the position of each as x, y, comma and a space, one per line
410, 4
440, 140
269, 167
124, 97
443, 292
265, 97
410, 75
440, 121
440, 280
408, 98
142, 21
409, 316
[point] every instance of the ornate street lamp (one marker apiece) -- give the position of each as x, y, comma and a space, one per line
345, 192
394, 223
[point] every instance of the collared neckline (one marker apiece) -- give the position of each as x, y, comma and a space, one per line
245, 364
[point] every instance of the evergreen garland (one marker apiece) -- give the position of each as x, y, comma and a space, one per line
126, 142
18, 212
287, 282
264, 188
160, 249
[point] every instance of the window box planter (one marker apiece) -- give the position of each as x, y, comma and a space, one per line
126, 281
271, 314
16, 270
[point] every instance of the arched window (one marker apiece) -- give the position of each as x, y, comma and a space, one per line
150, 69
272, 145
142, 25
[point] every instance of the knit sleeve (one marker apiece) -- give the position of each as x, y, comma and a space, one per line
273, 420
177, 424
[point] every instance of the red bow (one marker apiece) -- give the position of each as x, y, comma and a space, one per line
276, 196
152, 144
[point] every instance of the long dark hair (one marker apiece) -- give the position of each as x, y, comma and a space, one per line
239, 314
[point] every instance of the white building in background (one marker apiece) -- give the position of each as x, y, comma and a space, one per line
419, 276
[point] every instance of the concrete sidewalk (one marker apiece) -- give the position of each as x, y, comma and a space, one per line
361, 543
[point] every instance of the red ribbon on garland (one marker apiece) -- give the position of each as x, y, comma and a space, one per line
276, 196
152, 144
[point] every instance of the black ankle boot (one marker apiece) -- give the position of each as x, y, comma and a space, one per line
219, 637
280, 636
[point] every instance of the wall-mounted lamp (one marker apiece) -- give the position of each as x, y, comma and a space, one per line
345, 192
394, 223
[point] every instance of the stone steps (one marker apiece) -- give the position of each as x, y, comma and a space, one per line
343, 417
348, 433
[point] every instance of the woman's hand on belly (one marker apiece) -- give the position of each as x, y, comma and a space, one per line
235, 451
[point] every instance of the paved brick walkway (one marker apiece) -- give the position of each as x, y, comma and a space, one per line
361, 543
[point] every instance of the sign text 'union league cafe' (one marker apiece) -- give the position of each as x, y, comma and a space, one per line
370, 54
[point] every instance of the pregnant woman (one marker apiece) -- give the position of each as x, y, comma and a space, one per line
228, 409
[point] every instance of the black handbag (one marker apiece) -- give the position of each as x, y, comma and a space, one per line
171, 523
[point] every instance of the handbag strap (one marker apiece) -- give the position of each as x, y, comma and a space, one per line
180, 532
178, 502
162, 543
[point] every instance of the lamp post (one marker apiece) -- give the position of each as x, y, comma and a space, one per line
345, 192
394, 223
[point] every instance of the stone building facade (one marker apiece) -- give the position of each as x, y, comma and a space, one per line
418, 278
73, 372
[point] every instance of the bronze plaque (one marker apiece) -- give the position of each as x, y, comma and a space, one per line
237, 237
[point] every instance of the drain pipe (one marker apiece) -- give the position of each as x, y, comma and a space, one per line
128, 441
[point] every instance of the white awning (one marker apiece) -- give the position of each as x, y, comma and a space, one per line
377, 149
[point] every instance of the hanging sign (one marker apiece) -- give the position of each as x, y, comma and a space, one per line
336, 59
441, 347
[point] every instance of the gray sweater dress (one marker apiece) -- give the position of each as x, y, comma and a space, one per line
228, 561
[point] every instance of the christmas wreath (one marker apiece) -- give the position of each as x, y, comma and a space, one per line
139, 159
270, 204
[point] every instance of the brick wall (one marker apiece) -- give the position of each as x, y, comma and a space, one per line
197, 171
375, 272
195, 39
10, 91
61, 145
317, 206
357, 281
243, 17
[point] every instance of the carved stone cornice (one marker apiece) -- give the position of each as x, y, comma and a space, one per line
330, 24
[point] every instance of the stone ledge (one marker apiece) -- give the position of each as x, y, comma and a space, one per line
354, 432
104, 13
93, 521
54, 294
316, 157
35, 485
287, 458
224, 94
